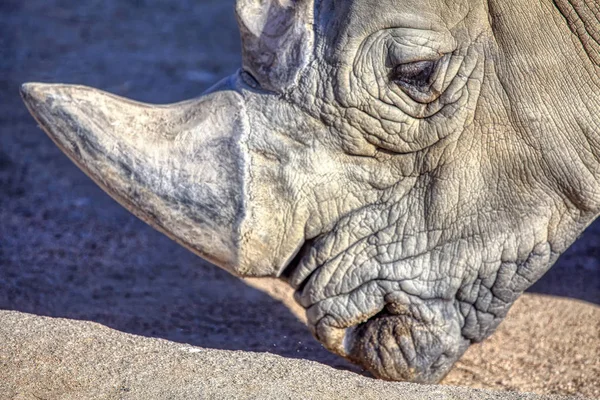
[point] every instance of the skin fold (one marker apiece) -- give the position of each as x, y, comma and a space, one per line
409, 167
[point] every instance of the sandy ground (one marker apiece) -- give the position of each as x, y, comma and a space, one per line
56, 358
68, 250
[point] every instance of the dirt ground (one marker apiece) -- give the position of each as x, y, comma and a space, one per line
68, 250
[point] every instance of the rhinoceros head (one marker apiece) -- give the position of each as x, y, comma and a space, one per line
408, 167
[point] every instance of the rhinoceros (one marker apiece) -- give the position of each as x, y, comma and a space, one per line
408, 167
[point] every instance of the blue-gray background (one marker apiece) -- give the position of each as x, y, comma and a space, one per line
68, 250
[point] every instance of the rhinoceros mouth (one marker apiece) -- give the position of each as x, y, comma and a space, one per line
399, 343
393, 329
389, 346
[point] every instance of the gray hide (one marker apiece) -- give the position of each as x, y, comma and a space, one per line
409, 167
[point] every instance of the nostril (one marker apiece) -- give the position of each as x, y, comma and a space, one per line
290, 272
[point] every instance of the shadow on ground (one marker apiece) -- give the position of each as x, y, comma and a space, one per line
576, 275
68, 250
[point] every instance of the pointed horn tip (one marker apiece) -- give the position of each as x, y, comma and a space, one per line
44, 99
34, 91
35, 94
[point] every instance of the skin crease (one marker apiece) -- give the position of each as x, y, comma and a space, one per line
407, 217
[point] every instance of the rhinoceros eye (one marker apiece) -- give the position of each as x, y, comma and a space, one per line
417, 74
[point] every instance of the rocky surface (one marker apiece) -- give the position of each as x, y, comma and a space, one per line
68, 250
45, 358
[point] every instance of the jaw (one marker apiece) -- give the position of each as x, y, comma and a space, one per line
406, 306
412, 340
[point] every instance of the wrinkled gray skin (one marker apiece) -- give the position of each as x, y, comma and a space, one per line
409, 213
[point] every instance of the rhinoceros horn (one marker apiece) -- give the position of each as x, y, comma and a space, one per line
186, 168
177, 167
277, 40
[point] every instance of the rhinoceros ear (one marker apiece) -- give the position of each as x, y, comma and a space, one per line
277, 40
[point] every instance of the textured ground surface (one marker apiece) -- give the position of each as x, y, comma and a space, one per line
68, 250
53, 358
